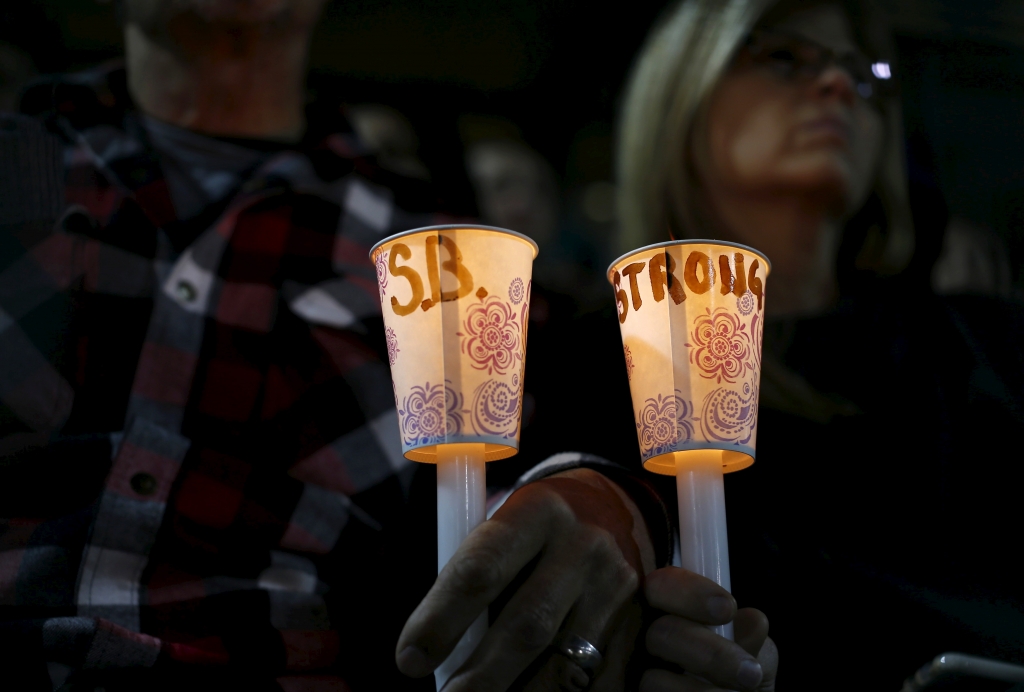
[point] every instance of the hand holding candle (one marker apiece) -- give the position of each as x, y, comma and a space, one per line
562, 556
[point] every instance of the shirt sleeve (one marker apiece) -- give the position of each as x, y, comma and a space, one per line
647, 498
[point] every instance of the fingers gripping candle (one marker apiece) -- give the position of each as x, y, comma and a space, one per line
691, 315
456, 303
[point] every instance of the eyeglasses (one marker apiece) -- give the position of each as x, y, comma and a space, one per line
796, 58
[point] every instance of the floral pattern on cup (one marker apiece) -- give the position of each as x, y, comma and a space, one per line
664, 423
516, 292
491, 336
720, 346
728, 415
746, 303
629, 363
381, 262
392, 341
429, 414
496, 408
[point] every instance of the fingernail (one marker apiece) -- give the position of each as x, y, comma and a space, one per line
413, 662
749, 675
720, 608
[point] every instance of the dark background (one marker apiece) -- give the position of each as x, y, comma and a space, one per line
554, 70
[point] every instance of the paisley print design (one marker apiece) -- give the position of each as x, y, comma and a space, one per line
496, 407
728, 415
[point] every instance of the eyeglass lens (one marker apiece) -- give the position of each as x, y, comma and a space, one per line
793, 58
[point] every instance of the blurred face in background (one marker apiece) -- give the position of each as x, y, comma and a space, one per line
793, 116
515, 188
153, 15
228, 67
390, 136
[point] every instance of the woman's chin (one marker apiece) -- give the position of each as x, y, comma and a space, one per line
240, 11
825, 176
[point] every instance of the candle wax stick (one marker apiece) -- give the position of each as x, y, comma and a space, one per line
461, 507
703, 538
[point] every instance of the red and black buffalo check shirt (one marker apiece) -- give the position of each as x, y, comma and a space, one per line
201, 457
199, 452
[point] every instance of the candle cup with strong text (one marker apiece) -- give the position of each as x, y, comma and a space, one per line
691, 314
456, 303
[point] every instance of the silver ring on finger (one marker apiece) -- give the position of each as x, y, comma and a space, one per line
579, 651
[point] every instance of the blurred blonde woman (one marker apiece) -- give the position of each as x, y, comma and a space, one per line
766, 138
773, 125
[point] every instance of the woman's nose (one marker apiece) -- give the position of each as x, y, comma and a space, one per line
837, 83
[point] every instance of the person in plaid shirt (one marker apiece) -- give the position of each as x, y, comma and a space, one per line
200, 464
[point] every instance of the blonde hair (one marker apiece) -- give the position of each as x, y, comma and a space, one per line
680, 65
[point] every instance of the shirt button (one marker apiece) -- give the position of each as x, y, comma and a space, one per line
143, 483
185, 291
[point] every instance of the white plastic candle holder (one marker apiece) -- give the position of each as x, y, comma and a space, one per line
691, 314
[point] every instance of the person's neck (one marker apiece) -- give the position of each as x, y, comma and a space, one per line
246, 82
801, 237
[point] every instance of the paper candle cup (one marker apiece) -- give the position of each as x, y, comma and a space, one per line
456, 303
691, 313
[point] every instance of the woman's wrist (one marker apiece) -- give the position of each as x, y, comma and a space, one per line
640, 532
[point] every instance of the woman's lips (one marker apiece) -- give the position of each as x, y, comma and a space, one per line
828, 128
